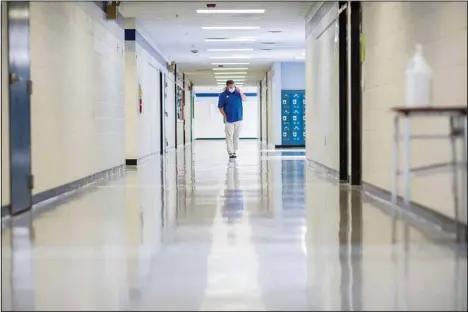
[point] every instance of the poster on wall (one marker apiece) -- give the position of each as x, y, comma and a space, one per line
179, 103
293, 117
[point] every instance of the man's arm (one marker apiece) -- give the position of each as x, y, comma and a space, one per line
243, 97
221, 106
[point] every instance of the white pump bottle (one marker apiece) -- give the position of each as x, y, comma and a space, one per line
418, 81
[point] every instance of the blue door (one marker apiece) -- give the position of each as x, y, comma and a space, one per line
20, 110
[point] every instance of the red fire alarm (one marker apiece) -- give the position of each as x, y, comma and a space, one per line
140, 96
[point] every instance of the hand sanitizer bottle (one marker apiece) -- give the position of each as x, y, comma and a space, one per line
418, 81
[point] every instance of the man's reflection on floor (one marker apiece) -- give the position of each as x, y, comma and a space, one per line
233, 207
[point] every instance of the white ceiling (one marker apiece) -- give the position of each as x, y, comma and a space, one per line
176, 29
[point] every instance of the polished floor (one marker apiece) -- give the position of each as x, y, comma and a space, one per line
196, 231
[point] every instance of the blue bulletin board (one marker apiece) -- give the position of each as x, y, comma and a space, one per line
293, 130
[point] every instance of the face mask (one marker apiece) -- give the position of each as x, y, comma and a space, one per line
232, 89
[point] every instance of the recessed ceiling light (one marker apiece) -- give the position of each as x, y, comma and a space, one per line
229, 77
230, 68
261, 11
230, 57
230, 63
230, 50
230, 27
230, 39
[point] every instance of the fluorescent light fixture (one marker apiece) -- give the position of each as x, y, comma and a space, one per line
226, 69
230, 27
230, 57
230, 50
230, 77
230, 40
300, 57
214, 11
229, 64
230, 73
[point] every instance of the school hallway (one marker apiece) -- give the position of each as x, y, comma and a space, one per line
263, 232
349, 187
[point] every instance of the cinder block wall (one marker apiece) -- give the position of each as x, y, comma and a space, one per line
77, 105
392, 30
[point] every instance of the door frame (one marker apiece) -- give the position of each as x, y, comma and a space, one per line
343, 92
356, 97
260, 96
20, 90
162, 126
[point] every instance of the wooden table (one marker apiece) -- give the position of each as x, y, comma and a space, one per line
458, 129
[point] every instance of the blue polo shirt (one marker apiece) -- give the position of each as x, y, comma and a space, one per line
232, 104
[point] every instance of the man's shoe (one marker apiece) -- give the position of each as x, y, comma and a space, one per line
232, 156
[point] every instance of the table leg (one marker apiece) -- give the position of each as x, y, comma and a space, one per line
453, 134
464, 161
407, 178
407, 162
395, 174
396, 160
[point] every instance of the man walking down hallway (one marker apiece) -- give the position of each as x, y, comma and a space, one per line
230, 106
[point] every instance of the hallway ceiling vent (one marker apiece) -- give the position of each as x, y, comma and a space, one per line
275, 31
217, 38
268, 43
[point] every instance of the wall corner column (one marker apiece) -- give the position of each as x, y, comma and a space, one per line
131, 94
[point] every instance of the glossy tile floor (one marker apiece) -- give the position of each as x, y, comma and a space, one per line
263, 232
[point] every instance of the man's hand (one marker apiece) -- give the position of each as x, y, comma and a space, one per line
221, 110
243, 97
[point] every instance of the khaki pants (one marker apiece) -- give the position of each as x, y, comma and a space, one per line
232, 136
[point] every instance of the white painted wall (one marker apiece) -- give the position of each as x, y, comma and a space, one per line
150, 118
293, 75
77, 107
208, 122
392, 30
141, 70
188, 116
264, 104
322, 119
5, 120
170, 109
274, 104
281, 76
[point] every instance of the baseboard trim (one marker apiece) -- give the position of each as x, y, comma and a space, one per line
65, 188
335, 174
289, 146
221, 139
131, 162
5, 210
425, 213
139, 161
441, 221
